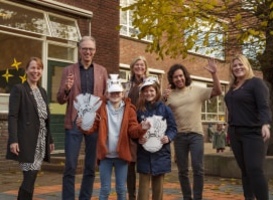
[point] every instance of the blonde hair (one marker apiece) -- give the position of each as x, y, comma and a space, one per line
246, 63
133, 64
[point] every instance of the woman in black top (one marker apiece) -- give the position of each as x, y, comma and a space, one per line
249, 119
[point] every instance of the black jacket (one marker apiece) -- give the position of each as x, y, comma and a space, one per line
24, 124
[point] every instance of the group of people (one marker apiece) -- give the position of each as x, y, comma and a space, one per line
118, 136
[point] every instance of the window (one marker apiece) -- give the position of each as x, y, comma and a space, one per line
27, 32
37, 22
251, 48
15, 51
206, 40
62, 52
126, 24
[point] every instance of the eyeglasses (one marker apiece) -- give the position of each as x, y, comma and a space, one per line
88, 49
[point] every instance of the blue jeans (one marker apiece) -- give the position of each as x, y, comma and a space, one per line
121, 168
249, 150
73, 140
193, 143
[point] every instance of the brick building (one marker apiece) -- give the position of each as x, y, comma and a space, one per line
51, 29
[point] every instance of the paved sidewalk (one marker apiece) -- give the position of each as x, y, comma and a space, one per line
48, 187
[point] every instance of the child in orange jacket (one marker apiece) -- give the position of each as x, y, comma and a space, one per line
117, 122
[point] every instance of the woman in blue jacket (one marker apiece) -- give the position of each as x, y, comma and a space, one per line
154, 151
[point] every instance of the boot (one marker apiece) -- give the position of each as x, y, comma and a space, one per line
24, 195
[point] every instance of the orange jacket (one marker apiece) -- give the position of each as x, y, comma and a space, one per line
129, 128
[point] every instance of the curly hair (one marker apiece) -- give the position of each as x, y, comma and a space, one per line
173, 69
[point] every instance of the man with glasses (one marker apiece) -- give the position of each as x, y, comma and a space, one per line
82, 77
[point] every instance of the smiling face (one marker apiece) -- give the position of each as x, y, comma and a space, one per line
149, 93
34, 72
87, 50
179, 79
115, 97
239, 70
139, 68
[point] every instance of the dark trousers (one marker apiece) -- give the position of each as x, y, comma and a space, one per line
73, 140
131, 181
249, 150
27, 187
193, 144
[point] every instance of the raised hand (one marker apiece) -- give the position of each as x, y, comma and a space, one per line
69, 81
211, 66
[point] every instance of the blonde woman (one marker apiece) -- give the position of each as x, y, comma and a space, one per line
249, 117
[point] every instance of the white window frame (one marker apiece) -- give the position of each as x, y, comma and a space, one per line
129, 31
48, 25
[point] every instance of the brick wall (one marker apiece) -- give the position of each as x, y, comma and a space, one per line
131, 48
103, 27
5, 165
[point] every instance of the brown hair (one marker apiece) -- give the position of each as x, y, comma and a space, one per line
141, 100
38, 61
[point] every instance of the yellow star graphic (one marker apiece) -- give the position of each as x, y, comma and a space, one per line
16, 64
7, 75
23, 78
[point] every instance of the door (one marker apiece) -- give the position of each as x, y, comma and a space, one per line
57, 111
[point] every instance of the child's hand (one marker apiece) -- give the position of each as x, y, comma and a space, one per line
165, 139
145, 125
142, 140
79, 121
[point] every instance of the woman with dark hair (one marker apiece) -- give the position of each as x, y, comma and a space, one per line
186, 101
30, 141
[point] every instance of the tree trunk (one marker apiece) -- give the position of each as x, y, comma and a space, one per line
266, 61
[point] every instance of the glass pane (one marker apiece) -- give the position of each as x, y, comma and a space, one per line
204, 106
123, 30
15, 52
63, 28
22, 18
212, 105
65, 53
123, 17
221, 104
212, 117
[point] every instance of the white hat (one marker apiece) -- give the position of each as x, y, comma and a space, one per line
149, 81
114, 83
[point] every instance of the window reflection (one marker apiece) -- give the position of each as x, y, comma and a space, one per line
15, 52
